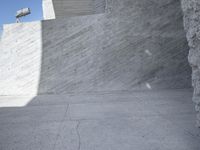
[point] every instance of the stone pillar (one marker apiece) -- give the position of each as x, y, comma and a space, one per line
67, 8
191, 11
48, 9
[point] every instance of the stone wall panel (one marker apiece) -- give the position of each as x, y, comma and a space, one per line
191, 11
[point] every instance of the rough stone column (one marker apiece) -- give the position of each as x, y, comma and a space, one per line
48, 10
191, 11
69, 8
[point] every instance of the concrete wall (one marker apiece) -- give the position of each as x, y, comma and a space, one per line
48, 9
57, 8
20, 55
191, 10
134, 45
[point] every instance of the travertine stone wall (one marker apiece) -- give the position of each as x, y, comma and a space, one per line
191, 10
48, 9
136, 44
133, 45
57, 8
20, 59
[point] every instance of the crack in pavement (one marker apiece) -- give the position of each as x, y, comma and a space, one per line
78, 134
60, 126
77, 126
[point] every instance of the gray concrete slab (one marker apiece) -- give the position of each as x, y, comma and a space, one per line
148, 120
132, 134
32, 114
33, 136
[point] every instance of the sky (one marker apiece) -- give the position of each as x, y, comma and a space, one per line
8, 9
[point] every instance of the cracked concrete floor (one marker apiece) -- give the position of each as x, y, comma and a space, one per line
148, 120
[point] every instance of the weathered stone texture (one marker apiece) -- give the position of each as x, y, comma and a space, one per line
57, 8
48, 9
191, 10
136, 44
20, 55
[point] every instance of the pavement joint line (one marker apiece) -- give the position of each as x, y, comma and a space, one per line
60, 126
78, 134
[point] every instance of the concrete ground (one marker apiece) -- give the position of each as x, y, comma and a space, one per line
148, 120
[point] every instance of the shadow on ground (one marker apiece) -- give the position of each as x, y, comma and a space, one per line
114, 120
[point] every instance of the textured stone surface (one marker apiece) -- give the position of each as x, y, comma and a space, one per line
48, 9
57, 8
191, 10
20, 55
146, 120
136, 44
